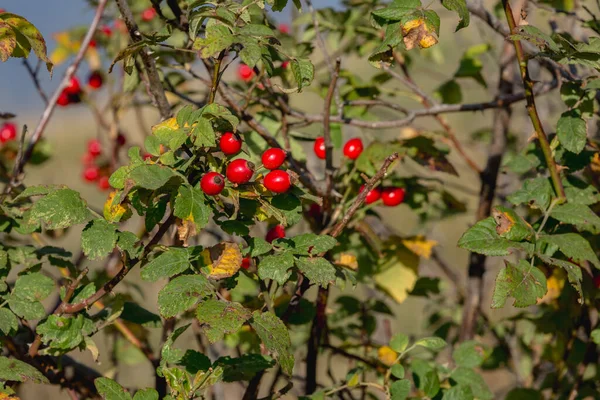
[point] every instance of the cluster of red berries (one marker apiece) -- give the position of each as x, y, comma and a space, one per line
8, 132
72, 92
390, 196
352, 149
92, 172
240, 171
277, 232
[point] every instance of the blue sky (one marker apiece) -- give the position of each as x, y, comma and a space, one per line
17, 93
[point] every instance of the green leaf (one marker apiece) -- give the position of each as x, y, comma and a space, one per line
258, 246
510, 225
458, 392
182, 293
8, 322
98, 239
449, 92
60, 209
469, 354
146, 394
573, 246
18, 371
400, 389
276, 267
430, 383
460, 6
571, 130
393, 13
190, 205
111, 390
595, 336
397, 371
204, 133
318, 270
399, 342
27, 37
63, 333
468, 377
574, 274
524, 394
245, 367
221, 117
577, 214
218, 318
482, 238
537, 192
310, 243
130, 243
303, 71
217, 39
168, 354
255, 30
431, 343
151, 176
136, 314
8, 41
172, 262
251, 52
522, 281
26, 309
579, 192
276, 338
33, 287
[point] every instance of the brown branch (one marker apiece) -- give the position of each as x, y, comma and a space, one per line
329, 169
36, 82
531, 107
157, 92
49, 110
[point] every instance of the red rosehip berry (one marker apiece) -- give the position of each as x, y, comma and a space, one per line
94, 147
285, 64
2, 10
284, 28
148, 14
373, 195
319, 147
277, 232
63, 99
246, 262
103, 183
73, 87
93, 44
87, 159
277, 181
147, 156
353, 148
230, 143
105, 29
212, 183
239, 171
95, 80
8, 132
91, 173
245, 72
121, 140
273, 158
392, 196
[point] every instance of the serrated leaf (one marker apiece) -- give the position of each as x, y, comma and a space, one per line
398, 273
522, 281
203, 133
60, 209
33, 287
511, 226
256, 30
258, 246
400, 389
190, 205
276, 338
151, 176
217, 39
111, 390
130, 243
482, 238
8, 41
399, 342
318, 270
303, 71
136, 314
98, 239
537, 192
63, 333
221, 117
245, 367
8, 322
276, 267
577, 214
469, 354
182, 293
27, 37
574, 274
146, 394
172, 262
460, 6
458, 392
26, 309
573, 246
468, 377
397, 371
218, 318
571, 130
222, 260
18, 371
431, 343
310, 243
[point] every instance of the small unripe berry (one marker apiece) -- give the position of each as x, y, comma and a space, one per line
319, 147
73, 87
373, 195
94, 147
8, 132
353, 148
230, 143
212, 183
273, 158
277, 232
148, 14
91, 173
95, 80
393, 196
245, 72
239, 171
277, 181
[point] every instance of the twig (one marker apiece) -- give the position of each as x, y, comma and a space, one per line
320, 41
531, 107
36, 81
215, 78
329, 170
49, 110
156, 89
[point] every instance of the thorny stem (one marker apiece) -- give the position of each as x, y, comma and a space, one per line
329, 170
531, 107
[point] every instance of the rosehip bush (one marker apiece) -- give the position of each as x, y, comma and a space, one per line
299, 216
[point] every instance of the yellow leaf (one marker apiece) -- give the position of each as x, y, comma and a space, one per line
170, 123
223, 260
114, 211
399, 270
416, 32
59, 55
555, 284
387, 356
347, 260
420, 246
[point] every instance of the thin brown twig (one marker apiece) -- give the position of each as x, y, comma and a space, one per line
329, 170
36, 82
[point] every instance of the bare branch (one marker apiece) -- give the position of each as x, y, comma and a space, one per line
329, 170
